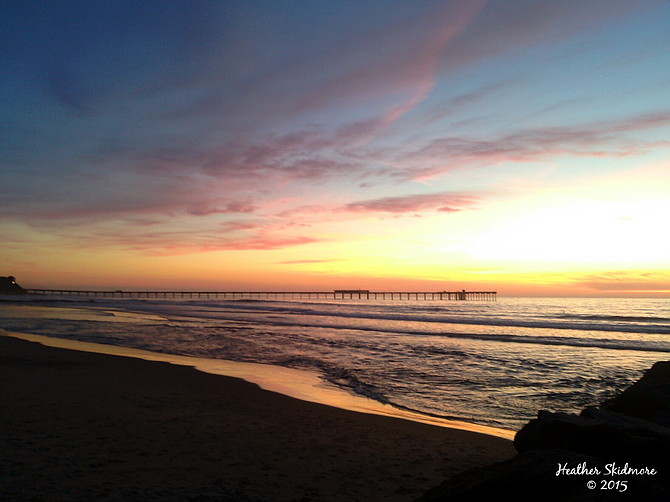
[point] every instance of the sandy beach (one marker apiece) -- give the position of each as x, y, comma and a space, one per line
87, 426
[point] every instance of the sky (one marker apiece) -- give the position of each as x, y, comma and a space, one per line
511, 145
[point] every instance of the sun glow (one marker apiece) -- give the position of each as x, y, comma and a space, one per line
582, 231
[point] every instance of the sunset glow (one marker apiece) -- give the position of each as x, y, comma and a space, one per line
522, 147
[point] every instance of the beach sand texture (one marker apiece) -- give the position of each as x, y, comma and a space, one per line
86, 426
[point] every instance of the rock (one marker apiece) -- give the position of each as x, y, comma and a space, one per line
631, 430
600, 433
648, 398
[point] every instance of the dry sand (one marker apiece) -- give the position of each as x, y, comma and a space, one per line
86, 426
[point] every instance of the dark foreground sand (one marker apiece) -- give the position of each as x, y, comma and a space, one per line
84, 426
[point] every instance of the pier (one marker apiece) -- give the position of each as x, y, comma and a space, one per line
342, 294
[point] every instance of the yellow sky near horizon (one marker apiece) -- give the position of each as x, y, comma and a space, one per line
575, 239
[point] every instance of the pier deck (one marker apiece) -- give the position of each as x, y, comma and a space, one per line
273, 295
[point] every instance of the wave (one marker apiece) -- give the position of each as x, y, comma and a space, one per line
642, 319
602, 343
611, 323
347, 379
408, 323
432, 315
305, 317
336, 375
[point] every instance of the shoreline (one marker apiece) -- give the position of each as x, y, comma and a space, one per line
88, 426
298, 384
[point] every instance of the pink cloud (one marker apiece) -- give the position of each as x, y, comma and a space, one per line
305, 209
230, 207
170, 237
601, 139
641, 122
621, 281
177, 243
267, 243
441, 202
301, 262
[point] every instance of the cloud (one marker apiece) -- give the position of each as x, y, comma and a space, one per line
169, 238
304, 262
441, 202
268, 243
639, 122
228, 208
599, 139
463, 101
502, 27
306, 209
396, 56
627, 281
144, 125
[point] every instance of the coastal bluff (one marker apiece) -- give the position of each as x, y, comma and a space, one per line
8, 286
616, 451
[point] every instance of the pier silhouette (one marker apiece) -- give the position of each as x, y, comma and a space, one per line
342, 294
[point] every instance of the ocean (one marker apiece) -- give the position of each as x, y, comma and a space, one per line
493, 363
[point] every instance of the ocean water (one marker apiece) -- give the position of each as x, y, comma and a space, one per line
489, 363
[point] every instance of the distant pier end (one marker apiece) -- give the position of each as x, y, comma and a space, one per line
343, 294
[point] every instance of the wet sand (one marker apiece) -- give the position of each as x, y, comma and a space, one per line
85, 426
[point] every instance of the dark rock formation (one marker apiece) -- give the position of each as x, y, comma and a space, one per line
626, 441
648, 398
8, 286
599, 433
